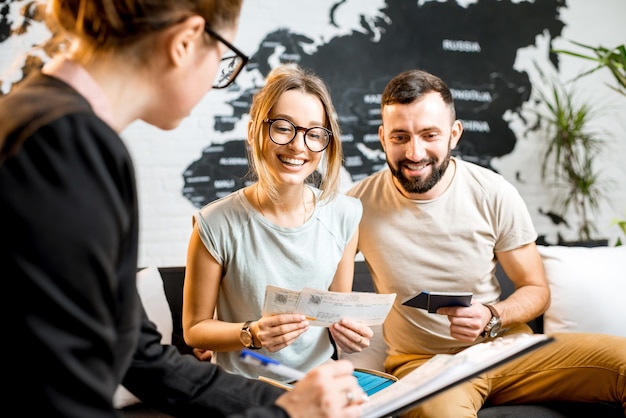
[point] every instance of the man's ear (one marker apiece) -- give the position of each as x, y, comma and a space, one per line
381, 136
185, 38
455, 134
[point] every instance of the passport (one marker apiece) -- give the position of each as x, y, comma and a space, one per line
431, 301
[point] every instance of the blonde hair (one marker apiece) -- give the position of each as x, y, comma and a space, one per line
280, 79
117, 26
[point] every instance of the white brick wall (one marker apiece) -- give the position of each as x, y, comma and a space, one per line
160, 157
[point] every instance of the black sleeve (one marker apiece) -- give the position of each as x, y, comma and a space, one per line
68, 250
184, 386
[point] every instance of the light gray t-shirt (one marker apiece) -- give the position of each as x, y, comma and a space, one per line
255, 252
444, 244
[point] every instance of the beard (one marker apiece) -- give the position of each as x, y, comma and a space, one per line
420, 184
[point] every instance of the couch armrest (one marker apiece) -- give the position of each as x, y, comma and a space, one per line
173, 280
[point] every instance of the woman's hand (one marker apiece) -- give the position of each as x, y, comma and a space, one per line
204, 355
328, 391
278, 331
351, 336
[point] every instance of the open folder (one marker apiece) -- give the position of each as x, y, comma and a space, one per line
371, 381
444, 371
441, 372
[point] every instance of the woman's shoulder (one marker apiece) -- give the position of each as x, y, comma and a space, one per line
22, 111
342, 208
231, 206
340, 201
349, 201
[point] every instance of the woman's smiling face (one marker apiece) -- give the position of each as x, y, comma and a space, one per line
293, 163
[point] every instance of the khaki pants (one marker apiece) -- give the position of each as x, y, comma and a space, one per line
575, 367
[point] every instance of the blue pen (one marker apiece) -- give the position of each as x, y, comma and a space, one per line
270, 364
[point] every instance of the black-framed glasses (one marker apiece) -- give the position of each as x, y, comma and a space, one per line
230, 66
283, 131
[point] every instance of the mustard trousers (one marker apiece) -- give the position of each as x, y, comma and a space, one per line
579, 367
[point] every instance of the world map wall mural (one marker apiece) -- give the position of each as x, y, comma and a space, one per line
478, 67
491, 53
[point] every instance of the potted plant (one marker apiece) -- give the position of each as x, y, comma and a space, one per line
614, 60
568, 163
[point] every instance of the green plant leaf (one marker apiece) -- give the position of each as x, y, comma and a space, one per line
614, 59
571, 149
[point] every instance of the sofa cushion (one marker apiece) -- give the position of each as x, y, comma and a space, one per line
173, 278
588, 287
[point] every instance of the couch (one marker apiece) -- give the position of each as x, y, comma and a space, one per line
575, 275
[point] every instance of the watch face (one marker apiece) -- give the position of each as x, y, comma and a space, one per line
495, 329
246, 337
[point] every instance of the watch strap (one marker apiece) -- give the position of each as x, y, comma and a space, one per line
493, 310
495, 318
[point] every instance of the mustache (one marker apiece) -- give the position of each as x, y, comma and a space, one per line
419, 162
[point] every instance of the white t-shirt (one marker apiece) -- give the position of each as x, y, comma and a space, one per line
444, 244
255, 252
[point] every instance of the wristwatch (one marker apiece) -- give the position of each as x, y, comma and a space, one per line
494, 326
245, 336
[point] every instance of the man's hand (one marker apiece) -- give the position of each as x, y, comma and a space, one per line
466, 323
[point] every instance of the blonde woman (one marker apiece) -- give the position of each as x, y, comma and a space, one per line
277, 231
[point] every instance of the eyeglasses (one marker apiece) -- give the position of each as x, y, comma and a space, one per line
230, 66
283, 131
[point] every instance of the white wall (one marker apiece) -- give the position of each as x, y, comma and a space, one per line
161, 157
592, 23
